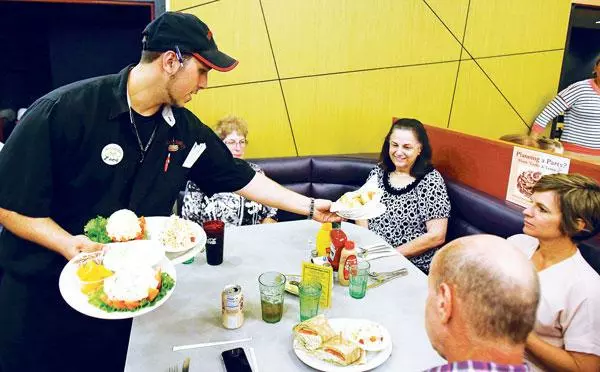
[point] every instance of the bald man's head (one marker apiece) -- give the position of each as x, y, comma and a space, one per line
494, 284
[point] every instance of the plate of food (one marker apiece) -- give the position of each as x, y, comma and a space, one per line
175, 234
134, 288
181, 239
363, 203
370, 336
323, 344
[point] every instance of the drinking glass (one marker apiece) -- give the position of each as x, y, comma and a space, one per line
215, 235
272, 285
359, 277
310, 295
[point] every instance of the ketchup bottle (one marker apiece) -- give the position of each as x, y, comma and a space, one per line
338, 240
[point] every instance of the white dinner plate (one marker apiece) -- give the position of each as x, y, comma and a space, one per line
70, 289
364, 213
374, 358
155, 225
180, 257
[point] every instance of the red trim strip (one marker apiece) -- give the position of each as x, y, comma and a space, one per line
211, 65
111, 2
581, 149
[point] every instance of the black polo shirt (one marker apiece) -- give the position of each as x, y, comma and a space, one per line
75, 156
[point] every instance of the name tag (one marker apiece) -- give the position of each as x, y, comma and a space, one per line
194, 154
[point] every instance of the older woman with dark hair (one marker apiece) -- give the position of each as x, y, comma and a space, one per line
565, 211
414, 193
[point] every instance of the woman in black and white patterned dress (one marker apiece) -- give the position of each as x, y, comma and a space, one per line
231, 208
415, 196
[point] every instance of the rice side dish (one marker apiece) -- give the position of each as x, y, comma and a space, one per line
177, 235
123, 225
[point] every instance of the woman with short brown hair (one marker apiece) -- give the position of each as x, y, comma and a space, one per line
565, 210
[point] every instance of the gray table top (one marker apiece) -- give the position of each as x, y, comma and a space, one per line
193, 314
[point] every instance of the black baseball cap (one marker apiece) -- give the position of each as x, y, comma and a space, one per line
185, 31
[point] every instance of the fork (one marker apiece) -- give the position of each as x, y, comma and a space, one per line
174, 368
386, 274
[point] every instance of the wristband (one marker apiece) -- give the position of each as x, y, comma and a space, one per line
311, 211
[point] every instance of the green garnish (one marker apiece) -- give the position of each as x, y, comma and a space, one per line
167, 284
95, 229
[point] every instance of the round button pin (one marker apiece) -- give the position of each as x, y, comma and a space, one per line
112, 154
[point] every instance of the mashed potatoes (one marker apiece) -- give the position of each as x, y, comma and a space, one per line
131, 284
124, 225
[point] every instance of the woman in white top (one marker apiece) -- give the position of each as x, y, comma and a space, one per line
565, 211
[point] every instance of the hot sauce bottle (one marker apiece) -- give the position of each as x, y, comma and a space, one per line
338, 240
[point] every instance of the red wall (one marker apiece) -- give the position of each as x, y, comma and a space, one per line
482, 163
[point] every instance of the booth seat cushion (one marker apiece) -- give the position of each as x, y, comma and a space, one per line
475, 212
321, 177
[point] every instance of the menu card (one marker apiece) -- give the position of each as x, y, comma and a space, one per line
320, 274
527, 167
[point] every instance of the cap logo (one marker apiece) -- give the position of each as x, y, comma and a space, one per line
209, 35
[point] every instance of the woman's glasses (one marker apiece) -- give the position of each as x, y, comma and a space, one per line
241, 143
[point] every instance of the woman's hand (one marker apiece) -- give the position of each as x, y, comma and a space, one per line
269, 220
80, 243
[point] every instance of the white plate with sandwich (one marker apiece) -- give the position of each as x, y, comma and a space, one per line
333, 345
362, 204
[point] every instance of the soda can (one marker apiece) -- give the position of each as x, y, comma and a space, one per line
232, 306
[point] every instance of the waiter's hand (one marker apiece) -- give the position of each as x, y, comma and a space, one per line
322, 213
81, 243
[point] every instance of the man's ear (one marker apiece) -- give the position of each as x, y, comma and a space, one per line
170, 63
444, 304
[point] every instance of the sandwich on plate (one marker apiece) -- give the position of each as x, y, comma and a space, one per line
312, 333
340, 351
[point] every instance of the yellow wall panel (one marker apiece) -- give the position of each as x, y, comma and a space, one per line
529, 81
478, 107
499, 27
239, 31
176, 5
453, 13
349, 113
316, 36
261, 105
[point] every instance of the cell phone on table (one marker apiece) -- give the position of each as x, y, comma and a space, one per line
235, 360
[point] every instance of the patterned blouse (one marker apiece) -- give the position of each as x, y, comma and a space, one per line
233, 209
408, 209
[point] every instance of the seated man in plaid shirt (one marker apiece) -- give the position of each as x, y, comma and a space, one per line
482, 302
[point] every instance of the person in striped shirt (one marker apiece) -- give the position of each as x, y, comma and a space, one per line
481, 305
580, 103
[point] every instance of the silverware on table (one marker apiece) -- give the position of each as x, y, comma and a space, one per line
174, 368
385, 274
384, 279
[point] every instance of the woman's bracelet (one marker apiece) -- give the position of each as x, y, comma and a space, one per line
311, 211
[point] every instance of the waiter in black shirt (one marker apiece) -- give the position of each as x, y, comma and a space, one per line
91, 148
